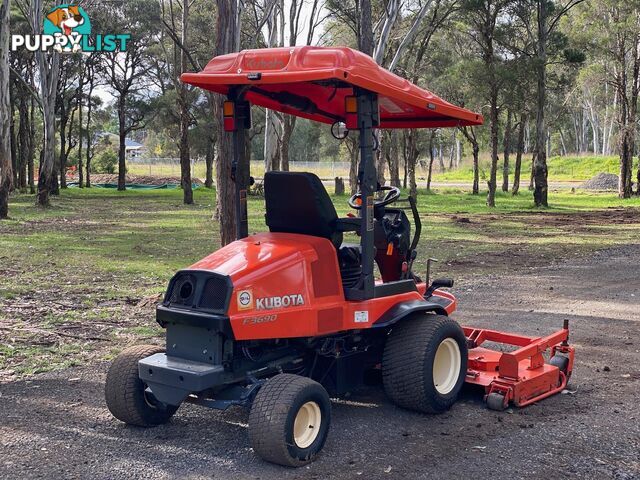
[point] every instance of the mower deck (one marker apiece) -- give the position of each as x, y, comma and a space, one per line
521, 376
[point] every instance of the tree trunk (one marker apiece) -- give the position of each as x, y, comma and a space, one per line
89, 136
13, 141
412, 159
405, 172
122, 147
62, 157
394, 159
80, 163
638, 178
185, 118
476, 168
185, 156
31, 148
48, 157
540, 191
625, 127
48, 66
365, 31
288, 126
470, 134
209, 157
272, 127
533, 172
352, 146
225, 43
491, 196
519, 151
507, 151
431, 159
381, 163
23, 140
6, 174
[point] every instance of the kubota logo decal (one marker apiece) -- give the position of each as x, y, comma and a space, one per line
284, 301
245, 299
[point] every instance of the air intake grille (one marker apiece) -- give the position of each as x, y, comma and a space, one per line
183, 290
214, 294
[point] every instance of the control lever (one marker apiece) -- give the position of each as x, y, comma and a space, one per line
438, 283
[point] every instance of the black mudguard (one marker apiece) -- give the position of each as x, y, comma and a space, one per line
401, 310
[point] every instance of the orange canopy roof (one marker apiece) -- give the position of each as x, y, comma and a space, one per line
311, 82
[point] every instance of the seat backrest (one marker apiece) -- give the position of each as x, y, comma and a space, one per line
297, 202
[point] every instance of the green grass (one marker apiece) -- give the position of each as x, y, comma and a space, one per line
73, 274
561, 169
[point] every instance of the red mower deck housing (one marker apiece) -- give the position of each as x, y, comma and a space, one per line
521, 376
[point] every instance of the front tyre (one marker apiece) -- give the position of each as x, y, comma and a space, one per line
424, 363
289, 420
126, 394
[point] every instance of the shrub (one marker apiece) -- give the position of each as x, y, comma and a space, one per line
105, 162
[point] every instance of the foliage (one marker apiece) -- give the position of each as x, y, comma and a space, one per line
105, 162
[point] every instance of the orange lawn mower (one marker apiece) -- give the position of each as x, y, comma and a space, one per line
280, 322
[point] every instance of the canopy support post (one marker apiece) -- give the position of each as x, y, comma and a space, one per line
240, 168
367, 179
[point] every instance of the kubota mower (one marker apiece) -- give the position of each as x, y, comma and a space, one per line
282, 321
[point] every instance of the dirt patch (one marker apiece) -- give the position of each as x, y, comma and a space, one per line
613, 215
617, 216
140, 179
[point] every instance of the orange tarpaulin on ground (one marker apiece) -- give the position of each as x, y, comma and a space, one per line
312, 82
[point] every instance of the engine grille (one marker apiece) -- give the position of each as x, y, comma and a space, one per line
214, 294
183, 290
199, 289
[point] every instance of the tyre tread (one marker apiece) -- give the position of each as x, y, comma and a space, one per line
268, 417
122, 389
403, 361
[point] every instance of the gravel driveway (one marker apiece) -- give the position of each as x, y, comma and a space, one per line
56, 425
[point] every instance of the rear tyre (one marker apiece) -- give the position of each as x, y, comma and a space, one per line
289, 420
424, 363
125, 393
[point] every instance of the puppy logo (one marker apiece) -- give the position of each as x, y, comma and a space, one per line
245, 299
70, 21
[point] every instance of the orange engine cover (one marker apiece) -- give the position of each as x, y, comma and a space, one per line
289, 285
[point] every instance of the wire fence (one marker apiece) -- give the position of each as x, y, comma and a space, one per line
170, 167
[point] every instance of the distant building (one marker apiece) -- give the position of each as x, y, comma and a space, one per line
134, 150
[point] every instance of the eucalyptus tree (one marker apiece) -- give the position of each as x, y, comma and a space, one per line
127, 72
227, 41
539, 21
422, 62
6, 171
617, 37
482, 26
48, 64
178, 60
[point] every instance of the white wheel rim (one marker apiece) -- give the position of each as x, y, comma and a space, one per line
446, 366
306, 426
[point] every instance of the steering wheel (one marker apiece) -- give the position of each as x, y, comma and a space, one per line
393, 194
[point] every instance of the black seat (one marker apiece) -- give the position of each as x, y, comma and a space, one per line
297, 202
